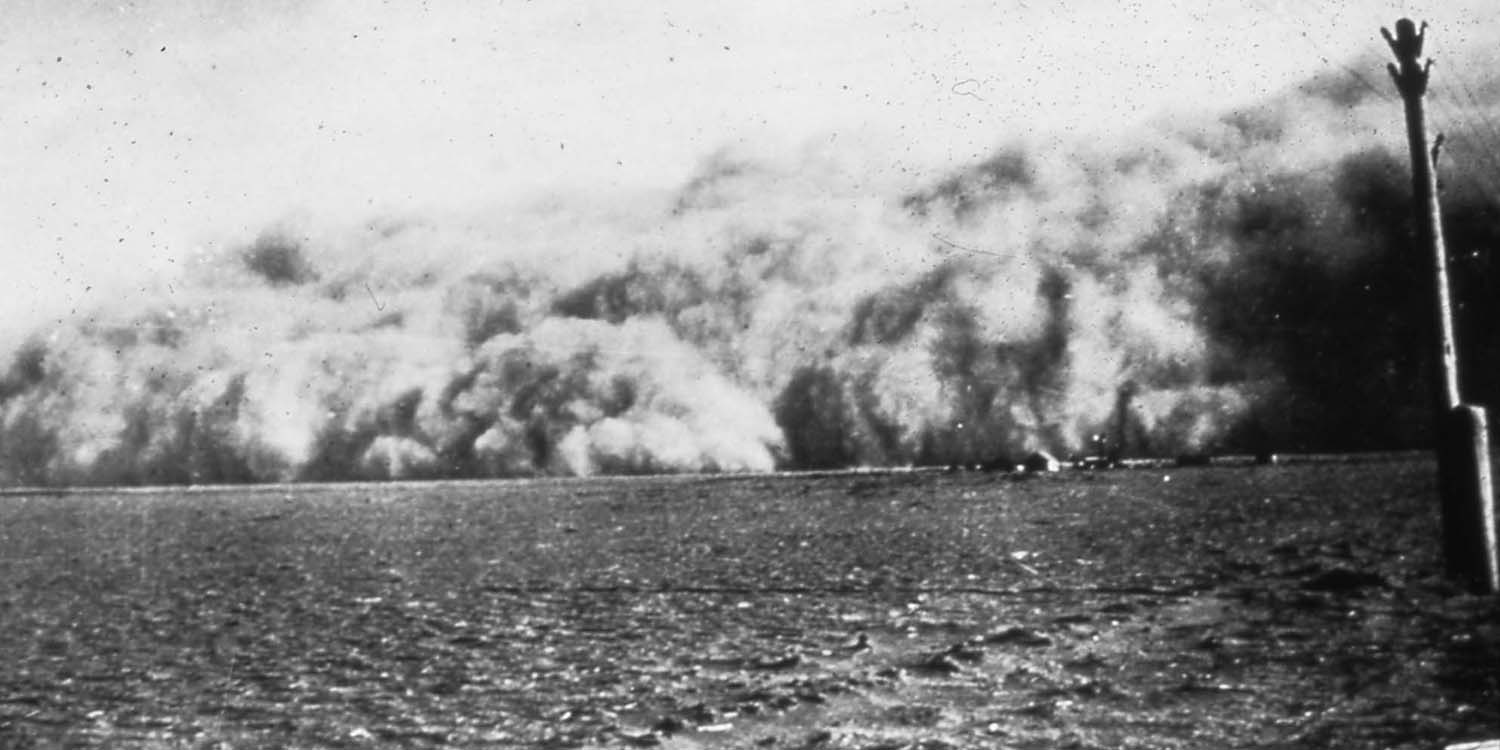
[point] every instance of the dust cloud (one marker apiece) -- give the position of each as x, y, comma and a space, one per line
1216, 284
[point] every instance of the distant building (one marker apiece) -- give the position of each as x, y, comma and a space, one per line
1040, 461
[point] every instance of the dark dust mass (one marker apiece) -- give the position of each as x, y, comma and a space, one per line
1292, 607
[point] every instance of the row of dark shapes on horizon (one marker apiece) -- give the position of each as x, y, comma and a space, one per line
1036, 464
1043, 462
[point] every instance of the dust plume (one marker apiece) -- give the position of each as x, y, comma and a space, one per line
1207, 285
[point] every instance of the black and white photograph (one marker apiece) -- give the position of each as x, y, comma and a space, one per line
709, 375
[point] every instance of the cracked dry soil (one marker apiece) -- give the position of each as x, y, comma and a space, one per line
1294, 606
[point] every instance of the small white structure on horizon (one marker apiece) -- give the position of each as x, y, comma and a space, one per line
1040, 461
1481, 745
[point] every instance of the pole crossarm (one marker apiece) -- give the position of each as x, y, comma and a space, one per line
1411, 76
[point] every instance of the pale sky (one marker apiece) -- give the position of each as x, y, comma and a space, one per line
137, 133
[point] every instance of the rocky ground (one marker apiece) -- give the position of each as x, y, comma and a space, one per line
1294, 606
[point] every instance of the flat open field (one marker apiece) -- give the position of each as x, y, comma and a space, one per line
1294, 606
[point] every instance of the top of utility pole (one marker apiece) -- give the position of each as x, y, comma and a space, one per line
1411, 76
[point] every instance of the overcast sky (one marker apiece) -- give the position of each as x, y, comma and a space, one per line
136, 133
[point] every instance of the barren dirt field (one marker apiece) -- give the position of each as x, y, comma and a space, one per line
1294, 606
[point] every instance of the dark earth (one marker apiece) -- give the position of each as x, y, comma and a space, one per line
1291, 606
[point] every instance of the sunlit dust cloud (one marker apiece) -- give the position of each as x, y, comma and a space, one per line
1227, 283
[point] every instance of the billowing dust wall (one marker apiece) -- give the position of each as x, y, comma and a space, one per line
1248, 278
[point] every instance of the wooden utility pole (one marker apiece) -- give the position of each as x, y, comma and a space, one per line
1464, 481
